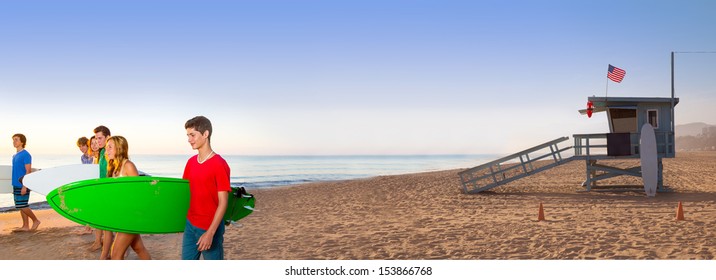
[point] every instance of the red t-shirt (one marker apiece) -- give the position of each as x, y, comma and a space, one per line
206, 180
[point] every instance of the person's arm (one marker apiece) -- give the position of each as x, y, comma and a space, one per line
206, 239
130, 169
28, 169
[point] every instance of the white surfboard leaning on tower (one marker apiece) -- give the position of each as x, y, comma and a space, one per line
649, 159
48, 179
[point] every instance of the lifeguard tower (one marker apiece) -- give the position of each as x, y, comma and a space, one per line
626, 116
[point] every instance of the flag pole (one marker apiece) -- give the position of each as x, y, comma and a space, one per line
606, 94
672, 98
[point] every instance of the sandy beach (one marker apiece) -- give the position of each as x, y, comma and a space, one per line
426, 216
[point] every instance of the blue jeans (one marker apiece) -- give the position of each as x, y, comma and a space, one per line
189, 249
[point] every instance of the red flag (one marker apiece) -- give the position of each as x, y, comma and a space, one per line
615, 74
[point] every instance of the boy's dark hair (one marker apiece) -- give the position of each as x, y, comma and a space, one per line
22, 137
200, 124
103, 129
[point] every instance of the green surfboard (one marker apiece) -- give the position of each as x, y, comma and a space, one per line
137, 204
240, 205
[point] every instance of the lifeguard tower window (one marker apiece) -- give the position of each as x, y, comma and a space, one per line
623, 120
653, 117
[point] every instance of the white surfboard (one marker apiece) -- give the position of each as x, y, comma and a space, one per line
649, 161
5, 179
48, 179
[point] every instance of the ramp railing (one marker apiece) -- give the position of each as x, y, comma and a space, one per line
499, 172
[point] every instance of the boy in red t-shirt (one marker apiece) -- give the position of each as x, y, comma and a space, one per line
208, 176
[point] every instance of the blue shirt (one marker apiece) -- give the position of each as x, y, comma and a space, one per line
86, 159
19, 161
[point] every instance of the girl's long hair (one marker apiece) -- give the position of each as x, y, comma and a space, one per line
121, 154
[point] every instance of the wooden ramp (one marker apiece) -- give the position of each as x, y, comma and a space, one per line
493, 174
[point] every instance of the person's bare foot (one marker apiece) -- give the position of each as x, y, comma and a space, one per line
95, 246
85, 230
35, 224
21, 229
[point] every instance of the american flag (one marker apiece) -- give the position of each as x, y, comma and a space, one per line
615, 74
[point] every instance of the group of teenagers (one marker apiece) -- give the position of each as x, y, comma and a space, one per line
209, 183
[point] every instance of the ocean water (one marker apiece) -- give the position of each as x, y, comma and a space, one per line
273, 171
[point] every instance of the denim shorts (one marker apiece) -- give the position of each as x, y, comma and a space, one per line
189, 249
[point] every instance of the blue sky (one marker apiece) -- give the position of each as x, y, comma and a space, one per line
341, 77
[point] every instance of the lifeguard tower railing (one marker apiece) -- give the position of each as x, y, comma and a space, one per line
495, 173
594, 146
588, 147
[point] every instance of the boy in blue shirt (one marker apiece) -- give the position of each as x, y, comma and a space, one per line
21, 166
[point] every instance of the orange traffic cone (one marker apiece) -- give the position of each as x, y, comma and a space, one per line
680, 212
540, 216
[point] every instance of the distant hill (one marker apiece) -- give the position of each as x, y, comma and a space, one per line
690, 137
690, 129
